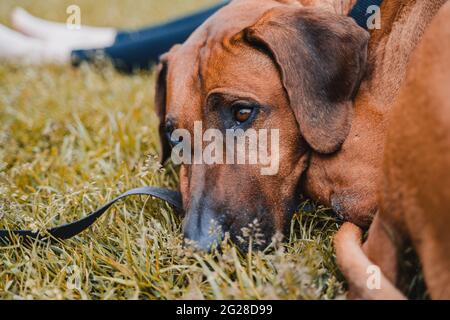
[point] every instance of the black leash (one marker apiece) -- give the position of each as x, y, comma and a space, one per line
70, 230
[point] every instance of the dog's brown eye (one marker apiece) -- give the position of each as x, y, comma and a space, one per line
242, 115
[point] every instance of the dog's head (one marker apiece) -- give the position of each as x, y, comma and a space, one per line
257, 65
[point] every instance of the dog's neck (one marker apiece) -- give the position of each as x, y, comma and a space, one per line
402, 26
403, 23
348, 180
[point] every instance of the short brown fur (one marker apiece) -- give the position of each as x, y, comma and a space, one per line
415, 192
250, 50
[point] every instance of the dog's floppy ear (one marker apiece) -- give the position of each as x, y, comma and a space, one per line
321, 58
160, 105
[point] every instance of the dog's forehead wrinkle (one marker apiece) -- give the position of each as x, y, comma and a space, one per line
232, 19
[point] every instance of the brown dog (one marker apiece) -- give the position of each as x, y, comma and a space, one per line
415, 197
295, 66
287, 67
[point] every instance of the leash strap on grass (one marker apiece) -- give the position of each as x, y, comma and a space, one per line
70, 230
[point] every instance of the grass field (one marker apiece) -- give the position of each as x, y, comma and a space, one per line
71, 139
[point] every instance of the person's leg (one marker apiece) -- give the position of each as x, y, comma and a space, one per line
140, 49
86, 37
53, 42
15, 47
191, 22
136, 53
89, 37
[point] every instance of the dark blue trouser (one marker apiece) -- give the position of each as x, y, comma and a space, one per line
140, 49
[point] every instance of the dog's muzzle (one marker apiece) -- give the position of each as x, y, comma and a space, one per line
203, 227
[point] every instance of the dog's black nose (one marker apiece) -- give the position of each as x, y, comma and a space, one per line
202, 229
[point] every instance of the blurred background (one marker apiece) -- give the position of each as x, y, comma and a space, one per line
112, 13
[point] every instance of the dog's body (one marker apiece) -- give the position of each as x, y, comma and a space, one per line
415, 193
348, 181
304, 67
